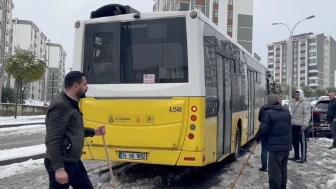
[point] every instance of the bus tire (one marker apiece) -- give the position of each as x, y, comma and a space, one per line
236, 153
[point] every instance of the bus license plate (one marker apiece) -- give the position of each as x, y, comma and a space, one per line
132, 155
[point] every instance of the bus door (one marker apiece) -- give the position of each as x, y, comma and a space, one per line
250, 76
224, 118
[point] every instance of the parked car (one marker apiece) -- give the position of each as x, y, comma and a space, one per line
319, 114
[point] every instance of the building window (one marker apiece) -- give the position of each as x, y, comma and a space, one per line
311, 40
202, 9
229, 28
230, 15
215, 14
312, 54
230, 2
312, 48
184, 6
312, 60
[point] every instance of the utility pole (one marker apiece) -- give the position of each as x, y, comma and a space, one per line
290, 57
3, 47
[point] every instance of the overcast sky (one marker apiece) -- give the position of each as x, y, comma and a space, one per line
57, 17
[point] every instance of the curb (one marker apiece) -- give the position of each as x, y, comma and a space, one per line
21, 159
20, 124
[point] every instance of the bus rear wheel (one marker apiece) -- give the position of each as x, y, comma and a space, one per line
236, 154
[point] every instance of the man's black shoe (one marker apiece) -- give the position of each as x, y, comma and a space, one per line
263, 169
300, 160
331, 147
293, 158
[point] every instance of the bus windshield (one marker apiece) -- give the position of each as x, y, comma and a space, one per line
144, 51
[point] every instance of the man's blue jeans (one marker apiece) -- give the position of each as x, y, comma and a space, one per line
263, 155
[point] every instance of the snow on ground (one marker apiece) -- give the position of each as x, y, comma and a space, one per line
11, 118
22, 120
20, 168
35, 103
317, 173
8, 154
22, 130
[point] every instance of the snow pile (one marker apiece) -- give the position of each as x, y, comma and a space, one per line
14, 153
19, 168
22, 131
22, 120
35, 103
332, 182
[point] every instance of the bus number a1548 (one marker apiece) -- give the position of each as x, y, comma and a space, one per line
175, 109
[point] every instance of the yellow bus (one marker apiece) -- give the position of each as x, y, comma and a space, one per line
171, 88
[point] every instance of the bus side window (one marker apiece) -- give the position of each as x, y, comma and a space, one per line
211, 107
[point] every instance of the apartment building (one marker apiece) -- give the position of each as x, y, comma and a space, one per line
233, 16
312, 61
27, 35
56, 57
329, 61
6, 9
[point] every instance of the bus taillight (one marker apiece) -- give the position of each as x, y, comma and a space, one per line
191, 136
193, 118
193, 108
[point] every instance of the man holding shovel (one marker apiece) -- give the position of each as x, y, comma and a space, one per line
65, 135
276, 131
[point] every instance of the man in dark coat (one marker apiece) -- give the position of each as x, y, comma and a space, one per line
331, 118
65, 133
263, 154
276, 130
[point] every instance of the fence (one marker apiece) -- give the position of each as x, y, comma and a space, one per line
7, 109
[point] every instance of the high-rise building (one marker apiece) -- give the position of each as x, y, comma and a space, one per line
56, 57
233, 16
6, 9
312, 61
329, 61
26, 35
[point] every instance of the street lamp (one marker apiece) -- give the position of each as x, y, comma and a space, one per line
291, 53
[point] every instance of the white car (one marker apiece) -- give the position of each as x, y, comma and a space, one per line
285, 102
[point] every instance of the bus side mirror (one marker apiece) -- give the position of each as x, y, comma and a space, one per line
112, 10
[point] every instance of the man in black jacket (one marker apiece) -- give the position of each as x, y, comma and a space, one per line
263, 154
276, 130
65, 136
331, 117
